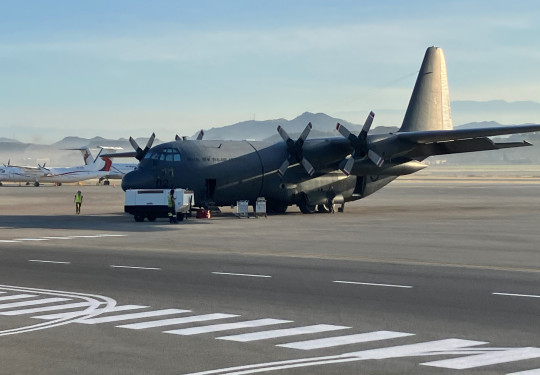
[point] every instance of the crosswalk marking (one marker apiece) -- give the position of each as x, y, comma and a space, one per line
17, 296
344, 340
46, 308
173, 321
145, 314
527, 372
282, 333
33, 302
485, 359
94, 312
227, 326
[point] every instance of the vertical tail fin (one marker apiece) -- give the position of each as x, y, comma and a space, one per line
100, 163
429, 106
87, 155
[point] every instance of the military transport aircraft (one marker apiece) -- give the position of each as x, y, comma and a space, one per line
317, 173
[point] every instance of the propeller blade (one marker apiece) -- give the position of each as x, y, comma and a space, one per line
149, 143
376, 159
304, 134
177, 138
283, 134
348, 166
134, 145
201, 135
343, 130
283, 168
367, 125
307, 166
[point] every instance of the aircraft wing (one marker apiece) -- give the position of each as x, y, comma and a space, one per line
128, 154
459, 134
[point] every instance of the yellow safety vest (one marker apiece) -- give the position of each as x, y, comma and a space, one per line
78, 198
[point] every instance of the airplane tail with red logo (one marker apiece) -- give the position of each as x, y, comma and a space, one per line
101, 163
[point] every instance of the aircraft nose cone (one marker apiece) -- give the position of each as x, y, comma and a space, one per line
138, 179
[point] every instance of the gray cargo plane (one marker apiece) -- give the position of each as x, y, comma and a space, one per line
317, 173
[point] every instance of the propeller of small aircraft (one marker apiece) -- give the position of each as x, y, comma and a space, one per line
184, 138
140, 152
360, 145
295, 151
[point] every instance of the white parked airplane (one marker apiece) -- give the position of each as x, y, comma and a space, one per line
116, 170
97, 168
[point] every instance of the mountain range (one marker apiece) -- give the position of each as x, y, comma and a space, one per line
56, 154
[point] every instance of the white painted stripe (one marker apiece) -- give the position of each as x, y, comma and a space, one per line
30, 239
9, 241
264, 335
345, 340
439, 347
113, 235
58, 238
138, 315
486, 359
17, 296
373, 284
31, 303
527, 372
103, 310
86, 236
517, 295
227, 326
46, 308
239, 274
173, 321
48, 261
137, 268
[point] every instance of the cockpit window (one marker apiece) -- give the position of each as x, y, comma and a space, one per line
166, 154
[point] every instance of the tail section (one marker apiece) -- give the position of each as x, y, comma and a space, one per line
101, 163
87, 155
429, 106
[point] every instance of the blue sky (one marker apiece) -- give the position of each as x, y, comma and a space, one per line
120, 68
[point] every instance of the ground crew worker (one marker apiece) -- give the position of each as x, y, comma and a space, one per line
78, 202
172, 205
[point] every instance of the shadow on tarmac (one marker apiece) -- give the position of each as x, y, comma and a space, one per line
104, 223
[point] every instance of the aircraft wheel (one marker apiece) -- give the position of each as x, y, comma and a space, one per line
138, 218
324, 208
306, 208
0, 184
106, 182
36, 184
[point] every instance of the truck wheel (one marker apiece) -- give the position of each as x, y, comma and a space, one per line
138, 218
180, 216
151, 217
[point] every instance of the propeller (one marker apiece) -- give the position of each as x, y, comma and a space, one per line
140, 152
360, 145
295, 151
184, 138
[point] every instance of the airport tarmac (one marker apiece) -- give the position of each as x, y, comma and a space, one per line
438, 273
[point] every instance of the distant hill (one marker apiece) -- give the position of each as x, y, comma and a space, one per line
323, 126
77, 142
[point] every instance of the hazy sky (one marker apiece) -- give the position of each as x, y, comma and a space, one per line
120, 68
